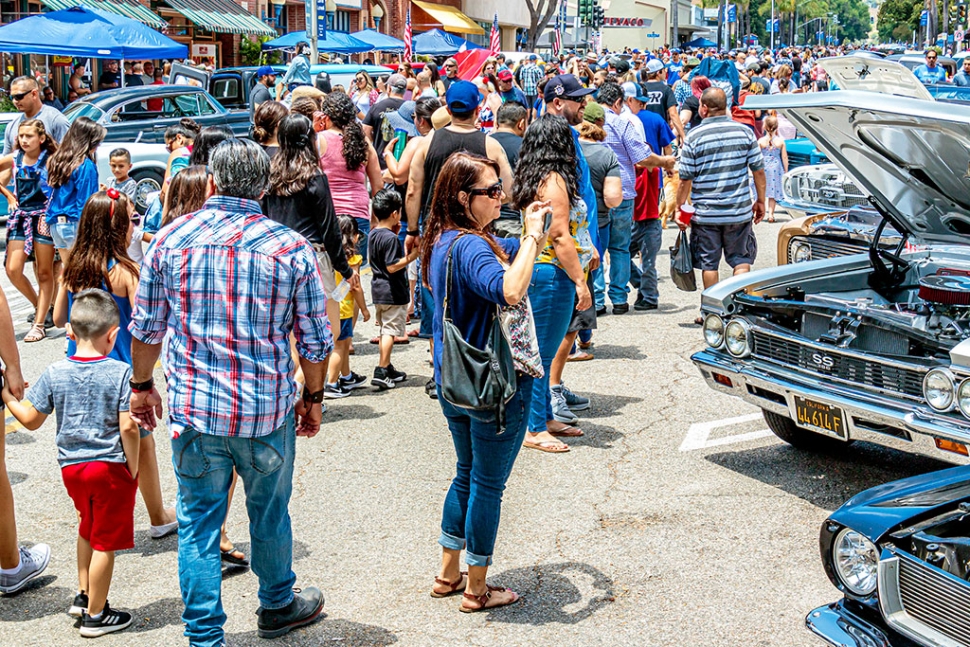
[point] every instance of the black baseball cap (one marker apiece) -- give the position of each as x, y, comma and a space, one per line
565, 86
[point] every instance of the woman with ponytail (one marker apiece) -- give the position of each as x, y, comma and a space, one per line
349, 160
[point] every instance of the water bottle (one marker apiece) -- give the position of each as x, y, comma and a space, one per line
341, 291
402, 142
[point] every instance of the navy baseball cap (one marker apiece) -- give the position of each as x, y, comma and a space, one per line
564, 86
462, 96
265, 70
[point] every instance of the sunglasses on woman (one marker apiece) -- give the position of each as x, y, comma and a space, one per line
494, 192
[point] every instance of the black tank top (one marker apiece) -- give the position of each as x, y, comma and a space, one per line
443, 144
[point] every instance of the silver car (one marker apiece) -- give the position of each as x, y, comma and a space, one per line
872, 346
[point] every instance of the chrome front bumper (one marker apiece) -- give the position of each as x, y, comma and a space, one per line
871, 417
838, 625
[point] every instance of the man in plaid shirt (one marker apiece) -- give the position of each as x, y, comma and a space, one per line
224, 288
529, 76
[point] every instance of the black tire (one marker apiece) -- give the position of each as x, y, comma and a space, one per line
148, 180
786, 429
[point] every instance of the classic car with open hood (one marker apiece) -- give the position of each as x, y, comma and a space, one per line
900, 555
873, 346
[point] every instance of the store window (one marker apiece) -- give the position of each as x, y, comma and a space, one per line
342, 21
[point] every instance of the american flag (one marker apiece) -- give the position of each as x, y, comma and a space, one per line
557, 45
495, 42
408, 54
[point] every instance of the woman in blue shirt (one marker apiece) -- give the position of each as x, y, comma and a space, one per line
73, 176
486, 271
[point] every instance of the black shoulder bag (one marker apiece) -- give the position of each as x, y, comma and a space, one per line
473, 378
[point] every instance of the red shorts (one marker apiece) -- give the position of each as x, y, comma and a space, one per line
104, 495
647, 203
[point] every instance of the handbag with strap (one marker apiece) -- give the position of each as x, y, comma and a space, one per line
474, 378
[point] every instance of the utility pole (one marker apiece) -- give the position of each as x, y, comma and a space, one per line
674, 22
772, 27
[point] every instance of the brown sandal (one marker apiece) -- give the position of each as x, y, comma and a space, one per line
36, 333
453, 587
485, 597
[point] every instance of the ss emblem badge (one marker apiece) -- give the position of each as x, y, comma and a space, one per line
822, 361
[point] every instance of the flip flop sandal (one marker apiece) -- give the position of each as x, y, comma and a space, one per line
484, 598
229, 557
579, 357
566, 433
585, 344
36, 333
453, 587
550, 446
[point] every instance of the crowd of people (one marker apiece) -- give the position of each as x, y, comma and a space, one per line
529, 196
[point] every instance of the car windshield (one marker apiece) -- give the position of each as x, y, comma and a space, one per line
83, 109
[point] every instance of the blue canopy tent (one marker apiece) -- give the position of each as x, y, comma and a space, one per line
338, 42
700, 42
440, 43
87, 33
379, 41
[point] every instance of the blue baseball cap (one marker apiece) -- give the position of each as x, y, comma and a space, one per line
462, 96
564, 86
265, 70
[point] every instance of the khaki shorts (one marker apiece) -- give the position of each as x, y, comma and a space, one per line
391, 319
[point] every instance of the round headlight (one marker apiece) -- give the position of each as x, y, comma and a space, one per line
856, 561
714, 331
801, 252
938, 389
963, 397
737, 338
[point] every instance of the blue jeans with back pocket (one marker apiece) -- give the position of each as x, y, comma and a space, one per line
203, 468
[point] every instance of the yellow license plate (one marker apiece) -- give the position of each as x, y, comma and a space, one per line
820, 417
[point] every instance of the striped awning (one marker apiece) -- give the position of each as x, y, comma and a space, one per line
221, 16
127, 8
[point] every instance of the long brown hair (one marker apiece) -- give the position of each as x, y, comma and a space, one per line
460, 173
80, 142
297, 162
102, 235
186, 193
48, 144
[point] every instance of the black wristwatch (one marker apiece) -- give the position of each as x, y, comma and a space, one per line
416, 232
312, 398
142, 387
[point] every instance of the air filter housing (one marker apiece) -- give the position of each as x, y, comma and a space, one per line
946, 290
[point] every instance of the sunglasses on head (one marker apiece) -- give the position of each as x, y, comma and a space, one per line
494, 192
20, 95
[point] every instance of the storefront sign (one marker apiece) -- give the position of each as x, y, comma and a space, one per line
203, 51
61, 61
626, 22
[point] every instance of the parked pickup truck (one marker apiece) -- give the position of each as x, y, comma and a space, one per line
232, 86
142, 114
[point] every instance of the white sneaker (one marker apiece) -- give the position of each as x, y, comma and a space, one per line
164, 530
33, 562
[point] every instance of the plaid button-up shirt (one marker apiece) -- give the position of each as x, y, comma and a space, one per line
224, 287
630, 148
530, 76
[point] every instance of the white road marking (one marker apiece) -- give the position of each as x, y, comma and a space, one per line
699, 433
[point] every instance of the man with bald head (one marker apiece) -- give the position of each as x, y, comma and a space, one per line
714, 165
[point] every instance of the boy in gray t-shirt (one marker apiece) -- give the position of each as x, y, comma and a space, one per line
97, 449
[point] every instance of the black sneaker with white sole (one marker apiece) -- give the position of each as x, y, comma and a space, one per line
110, 621
352, 381
396, 375
382, 379
305, 608
335, 391
80, 605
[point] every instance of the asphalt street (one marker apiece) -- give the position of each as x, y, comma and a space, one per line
635, 537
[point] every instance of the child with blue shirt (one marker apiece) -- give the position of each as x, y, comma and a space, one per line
97, 450
72, 173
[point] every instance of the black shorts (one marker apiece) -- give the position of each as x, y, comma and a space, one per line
585, 319
736, 242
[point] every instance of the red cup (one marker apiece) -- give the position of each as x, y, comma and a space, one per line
686, 213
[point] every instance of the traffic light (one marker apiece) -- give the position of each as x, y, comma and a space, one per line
599, 17
586, 11
962, 13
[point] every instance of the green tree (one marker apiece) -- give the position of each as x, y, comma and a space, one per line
853, 19
898, 19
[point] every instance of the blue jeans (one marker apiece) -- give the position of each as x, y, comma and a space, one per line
203, 468
647, 238
473, 504
363, 226
621, 223
553, 297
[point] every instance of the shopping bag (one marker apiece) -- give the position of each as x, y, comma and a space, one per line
681, 265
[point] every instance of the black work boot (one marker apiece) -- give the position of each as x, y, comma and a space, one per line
305, 608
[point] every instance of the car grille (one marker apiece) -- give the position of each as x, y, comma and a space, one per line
869, 373
921, 599
825, 248
825, 191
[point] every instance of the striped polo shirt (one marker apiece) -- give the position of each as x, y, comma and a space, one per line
716, 158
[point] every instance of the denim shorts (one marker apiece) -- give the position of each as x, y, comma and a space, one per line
346, 329
64, 234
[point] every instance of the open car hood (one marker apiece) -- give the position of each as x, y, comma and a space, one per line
911, 156
874, 75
